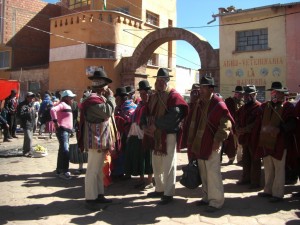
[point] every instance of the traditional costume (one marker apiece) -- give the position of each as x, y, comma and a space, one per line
210, 125
274, 130
245, 119
165, 109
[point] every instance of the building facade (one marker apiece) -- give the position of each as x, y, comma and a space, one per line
90, 35
259, 46
24, 41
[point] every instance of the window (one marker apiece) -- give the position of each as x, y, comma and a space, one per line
34, 86
4, 59
153, 61
252, 40
73, 4
101, 51
152, 18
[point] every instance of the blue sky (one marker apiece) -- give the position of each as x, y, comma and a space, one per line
196, 13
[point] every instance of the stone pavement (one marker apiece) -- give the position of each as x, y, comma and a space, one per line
30, 193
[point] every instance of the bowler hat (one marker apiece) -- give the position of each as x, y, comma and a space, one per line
121, 91
129, 89
207, 80
277, 86
195, 86
99, 78
30, 94
238, 89
250, 89
144, 85
163, 73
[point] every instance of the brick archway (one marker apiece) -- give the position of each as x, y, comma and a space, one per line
135, 66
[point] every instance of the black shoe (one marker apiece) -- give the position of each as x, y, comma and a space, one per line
155, 194
275, 199
264, 195
165, 200
14, 136
211, 209
100, 200
239, 163
6, 140
230, 162
254, 186
140, 185
201, 203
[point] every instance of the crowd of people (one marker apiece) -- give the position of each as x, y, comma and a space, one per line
143, 134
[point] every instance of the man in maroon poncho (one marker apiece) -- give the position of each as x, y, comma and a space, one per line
244, 123
231, 146
210, 125
165, 110
296, 152
273, 135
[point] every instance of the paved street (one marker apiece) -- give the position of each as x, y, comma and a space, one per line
30, 193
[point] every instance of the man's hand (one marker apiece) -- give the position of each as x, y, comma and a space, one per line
216, 146
56, 125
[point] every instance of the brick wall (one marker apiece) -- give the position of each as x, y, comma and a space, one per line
30, 47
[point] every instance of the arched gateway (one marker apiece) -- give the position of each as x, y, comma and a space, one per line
134, 67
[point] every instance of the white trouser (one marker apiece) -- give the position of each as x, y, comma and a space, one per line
274, 175
94, 175
212, 185
164, 168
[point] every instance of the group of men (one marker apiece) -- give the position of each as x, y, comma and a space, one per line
264, 131
259, 130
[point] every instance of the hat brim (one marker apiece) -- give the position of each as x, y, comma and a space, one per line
145, 89
212, 85
104, 78
249, 93
123, 94
163, 76
280, 90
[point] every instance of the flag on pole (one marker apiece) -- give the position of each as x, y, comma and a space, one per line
104, 4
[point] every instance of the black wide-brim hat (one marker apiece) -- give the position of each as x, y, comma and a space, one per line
238, 89
163, 73
99, 79
277, 86
195, 86
250, 89
207, 80
144, 85
130, 89
121, 91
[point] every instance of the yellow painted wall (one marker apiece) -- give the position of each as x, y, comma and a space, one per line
260, 68
124, 30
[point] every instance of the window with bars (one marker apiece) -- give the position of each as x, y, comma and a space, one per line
73, 4
4, 59
152, 18
101, 51
252, 40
